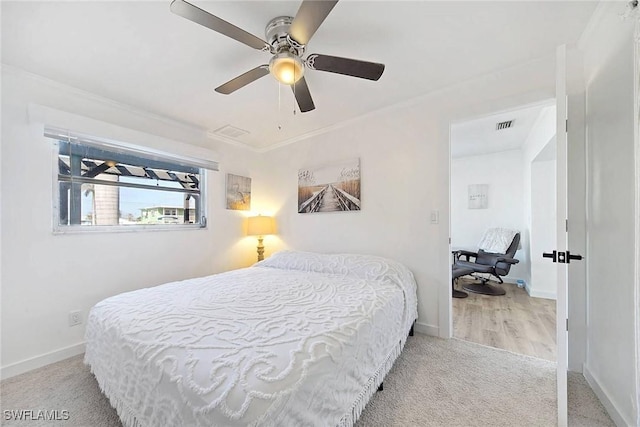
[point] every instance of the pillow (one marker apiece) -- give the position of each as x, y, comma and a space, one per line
368, 267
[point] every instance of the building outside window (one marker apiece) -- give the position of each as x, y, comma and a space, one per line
101, 185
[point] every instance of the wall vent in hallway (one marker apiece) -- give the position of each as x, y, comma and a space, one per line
504, 125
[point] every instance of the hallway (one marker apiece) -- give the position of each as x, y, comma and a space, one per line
514, 322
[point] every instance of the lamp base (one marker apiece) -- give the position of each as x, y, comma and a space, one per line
260, 249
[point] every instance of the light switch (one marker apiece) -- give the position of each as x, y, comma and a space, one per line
435, 217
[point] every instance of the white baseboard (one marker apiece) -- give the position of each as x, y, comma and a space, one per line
618, 417
539, 294
543, 294
426, 329
39, 361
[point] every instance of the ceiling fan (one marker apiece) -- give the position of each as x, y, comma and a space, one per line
287, 39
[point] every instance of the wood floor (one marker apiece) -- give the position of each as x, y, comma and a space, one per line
514, 322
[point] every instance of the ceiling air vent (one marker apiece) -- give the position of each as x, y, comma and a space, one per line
230, 132
504, 125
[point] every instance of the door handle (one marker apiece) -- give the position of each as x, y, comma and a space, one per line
553, 255
574, 257
562, 257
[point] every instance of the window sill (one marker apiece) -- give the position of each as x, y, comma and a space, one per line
90, 229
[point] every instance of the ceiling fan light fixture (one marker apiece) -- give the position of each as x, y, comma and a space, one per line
286, 67
286, 38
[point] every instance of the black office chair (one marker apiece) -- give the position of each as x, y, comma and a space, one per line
493, 264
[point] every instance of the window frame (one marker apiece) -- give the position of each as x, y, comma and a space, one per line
56, 135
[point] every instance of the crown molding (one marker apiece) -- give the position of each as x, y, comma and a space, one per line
20, 72
383, 110
212, 135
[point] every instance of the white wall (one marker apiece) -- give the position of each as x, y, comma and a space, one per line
612, 365
542, 132
544, 281
502, 171
44, 276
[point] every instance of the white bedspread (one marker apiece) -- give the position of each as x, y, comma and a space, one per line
299, 339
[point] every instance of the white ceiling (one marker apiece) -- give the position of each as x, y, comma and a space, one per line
479, 136
141, 54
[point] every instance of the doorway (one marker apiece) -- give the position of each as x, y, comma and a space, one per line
507, 160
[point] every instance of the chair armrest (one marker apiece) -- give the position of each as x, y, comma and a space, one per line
507, 260
466, 254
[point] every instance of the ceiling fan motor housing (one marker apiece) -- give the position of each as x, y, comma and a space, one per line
277, 35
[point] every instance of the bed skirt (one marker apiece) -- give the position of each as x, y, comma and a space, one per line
349, 419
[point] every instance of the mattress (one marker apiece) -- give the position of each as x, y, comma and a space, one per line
299, 339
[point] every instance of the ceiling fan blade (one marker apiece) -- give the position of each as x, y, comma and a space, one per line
346, 66
303, 96
204, 18
243, 80
310, 15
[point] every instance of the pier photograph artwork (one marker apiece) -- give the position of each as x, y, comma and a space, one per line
330, 188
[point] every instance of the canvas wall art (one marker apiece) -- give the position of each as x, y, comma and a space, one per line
330, 188
238, 192
478, 196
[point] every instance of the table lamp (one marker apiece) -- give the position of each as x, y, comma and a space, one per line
260, 226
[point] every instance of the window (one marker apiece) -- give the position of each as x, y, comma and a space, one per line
105, 185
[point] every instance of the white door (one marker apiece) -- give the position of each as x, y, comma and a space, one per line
561, 255
562, 241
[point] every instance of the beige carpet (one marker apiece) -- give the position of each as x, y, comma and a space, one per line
435, 382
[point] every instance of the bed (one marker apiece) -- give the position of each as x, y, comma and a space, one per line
299, 339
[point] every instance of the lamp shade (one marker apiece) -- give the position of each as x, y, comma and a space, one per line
260, 225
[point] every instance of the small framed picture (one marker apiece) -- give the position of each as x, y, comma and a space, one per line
478, 196
238, 192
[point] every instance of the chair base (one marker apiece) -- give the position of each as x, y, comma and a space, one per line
484, 289
459, 294
457, 272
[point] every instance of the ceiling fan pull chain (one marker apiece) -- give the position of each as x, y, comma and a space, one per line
294, 91
279, 107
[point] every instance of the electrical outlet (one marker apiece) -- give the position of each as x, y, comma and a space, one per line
75, 318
